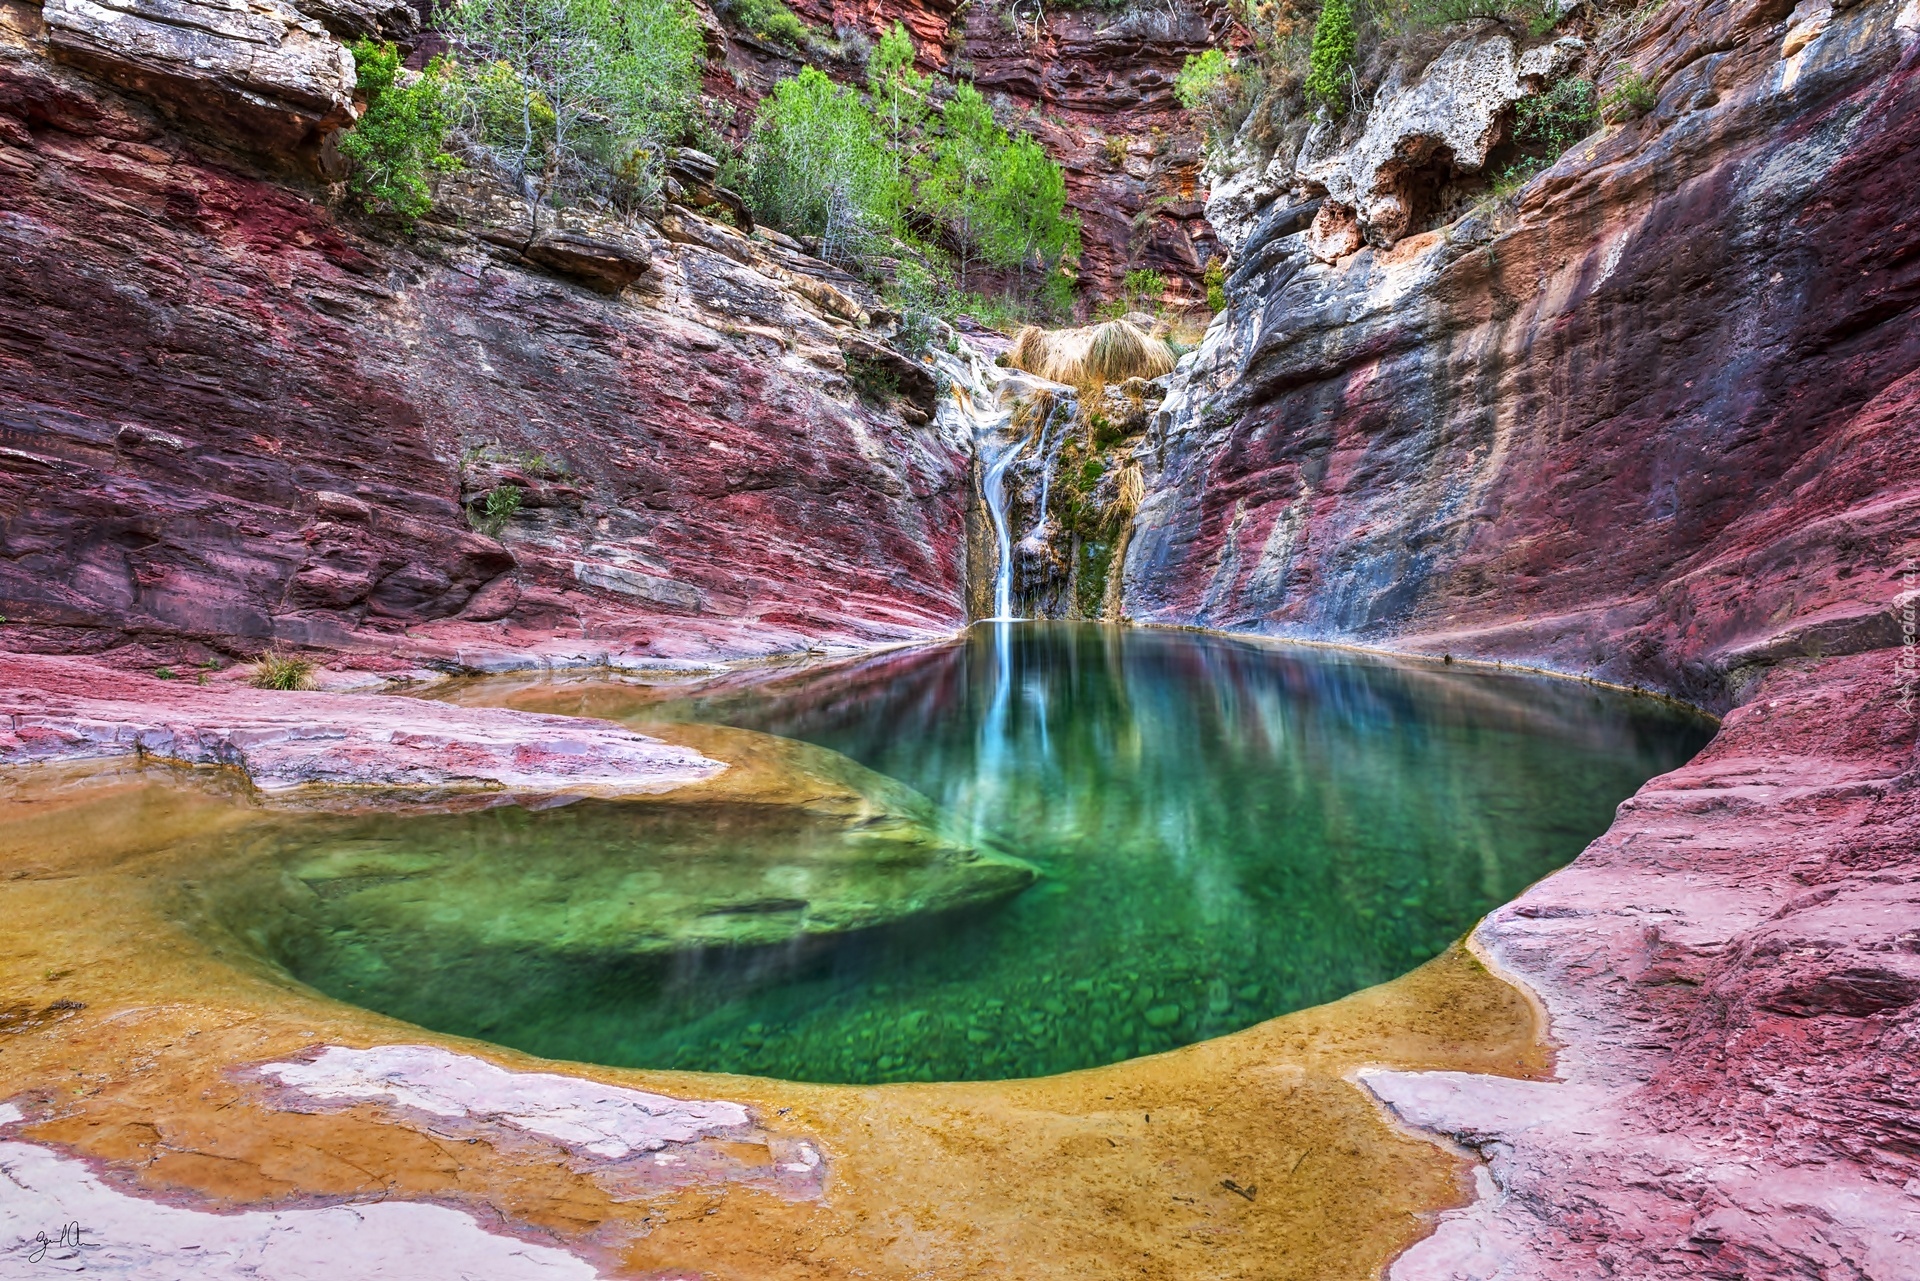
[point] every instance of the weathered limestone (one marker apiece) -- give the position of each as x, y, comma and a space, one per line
268, 77
1419, 136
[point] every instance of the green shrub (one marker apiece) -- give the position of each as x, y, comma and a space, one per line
817, 164
1143, 289
1392, 18
275, 670
770, 20
1631, 97
918, 292
495, 510
899, 92
1555, 120
165, 673
578, 99
1201, 77
1334, 44
1215, 279
1002, 198
401, 137
884, 174
874, 380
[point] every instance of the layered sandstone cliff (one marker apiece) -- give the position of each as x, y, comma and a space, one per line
1652, 420
233, 418
1655, 420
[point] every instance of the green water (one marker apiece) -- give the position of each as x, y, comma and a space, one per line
1225, 831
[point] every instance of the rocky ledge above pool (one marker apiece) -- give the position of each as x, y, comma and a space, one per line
296, 745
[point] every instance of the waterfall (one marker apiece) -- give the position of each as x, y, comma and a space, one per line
993, 487
1047, 461
981, 409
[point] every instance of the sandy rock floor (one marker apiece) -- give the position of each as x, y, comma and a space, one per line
155, 1075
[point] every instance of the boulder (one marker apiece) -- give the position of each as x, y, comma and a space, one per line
263, 75
608, 262
369, 19
791, 842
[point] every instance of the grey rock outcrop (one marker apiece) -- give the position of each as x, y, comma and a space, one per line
266, 76
1419, 135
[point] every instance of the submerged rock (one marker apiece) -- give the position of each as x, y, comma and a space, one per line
792, 842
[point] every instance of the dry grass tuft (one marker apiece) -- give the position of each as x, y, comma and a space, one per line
1091, 357
282, 671
1031, 413
1133, 488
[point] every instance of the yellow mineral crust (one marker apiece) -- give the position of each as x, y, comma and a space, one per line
135, 1042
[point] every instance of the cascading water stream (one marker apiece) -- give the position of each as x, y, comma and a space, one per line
993, 488
985, 396
1047, 460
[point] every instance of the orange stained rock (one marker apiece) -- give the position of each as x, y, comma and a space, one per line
1248, 1156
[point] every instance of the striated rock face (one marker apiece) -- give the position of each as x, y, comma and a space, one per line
1657, 423
259, 71
227, 419
1732, 974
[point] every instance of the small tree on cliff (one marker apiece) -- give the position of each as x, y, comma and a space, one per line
401, 137
899, 92
818, 164
1002, 197
582, 96
1334, 42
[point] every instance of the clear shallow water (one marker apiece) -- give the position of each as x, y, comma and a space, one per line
1225, 831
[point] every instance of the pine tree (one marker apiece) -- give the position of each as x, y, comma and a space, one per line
1334, 42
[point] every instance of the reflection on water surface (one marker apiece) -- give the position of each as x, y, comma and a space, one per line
1224, 831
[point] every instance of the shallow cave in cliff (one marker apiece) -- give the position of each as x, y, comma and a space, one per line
1416, 190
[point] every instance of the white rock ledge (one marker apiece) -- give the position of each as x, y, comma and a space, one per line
588, 1118
43, 1193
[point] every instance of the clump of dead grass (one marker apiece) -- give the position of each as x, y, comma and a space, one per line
1091, 357
275, 670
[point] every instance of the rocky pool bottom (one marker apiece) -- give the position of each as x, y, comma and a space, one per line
1102, 843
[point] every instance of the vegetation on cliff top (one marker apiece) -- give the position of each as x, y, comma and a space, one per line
889, 172
1330, 63
401, 137
580, 101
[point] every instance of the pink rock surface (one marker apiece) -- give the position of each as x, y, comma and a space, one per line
54, 709
229, 418
1732, 974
